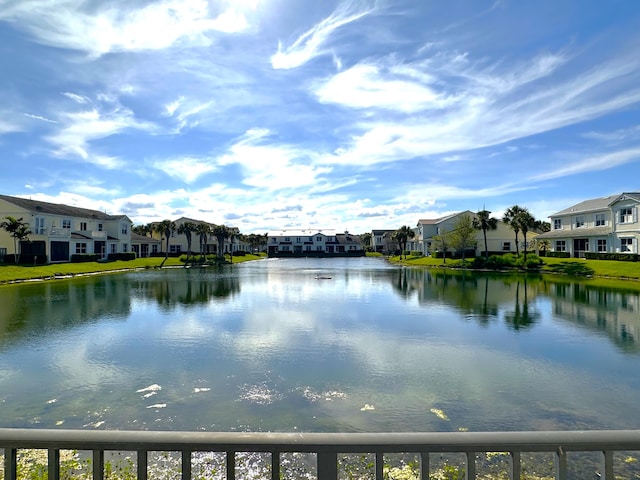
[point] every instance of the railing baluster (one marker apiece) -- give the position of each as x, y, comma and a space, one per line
53, 464
471, 465
379, 466
143, 461
10, 463
561, 464
231, 465
275, 466
607, 465
98, 464
514, 474
186, 464
327, 465
424, 466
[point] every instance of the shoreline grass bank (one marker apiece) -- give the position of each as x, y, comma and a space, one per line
13, 274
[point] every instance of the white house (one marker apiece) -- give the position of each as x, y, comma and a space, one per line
312, 242
60, 231
601, 225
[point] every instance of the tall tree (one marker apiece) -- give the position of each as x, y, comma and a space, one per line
484, 221
203, 230
402, 236
142, 229
526, 222
440, 243
221, 232
365, 238
187, 229
463, 234
511, 218
19, 230
166, 228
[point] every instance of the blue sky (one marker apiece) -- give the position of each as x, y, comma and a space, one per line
353, 115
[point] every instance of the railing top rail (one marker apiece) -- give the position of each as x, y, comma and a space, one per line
582, 440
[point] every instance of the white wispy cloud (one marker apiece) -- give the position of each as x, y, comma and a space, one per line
312, 43
119, 26
592, 163
188, 169
39, 117
79, 129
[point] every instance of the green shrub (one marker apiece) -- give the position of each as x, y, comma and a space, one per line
621, 257
559, 254
126, 256
84, 257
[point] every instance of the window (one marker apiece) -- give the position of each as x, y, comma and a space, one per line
125, 247
174, 248
600, 221
308, 248
66, 224
626, 215
39, 226
83, 226
626, 244
298, 240
287, 239
561, 246
506, 247
602, 245
81, 248
124, 229
154, 248
99, 227
557, 224
580, 221
319, 239
3, 252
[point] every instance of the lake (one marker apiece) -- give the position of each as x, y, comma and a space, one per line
319, 345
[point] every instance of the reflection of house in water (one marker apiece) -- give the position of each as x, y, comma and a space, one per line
477, 296
168, 293
65, 304
615, 312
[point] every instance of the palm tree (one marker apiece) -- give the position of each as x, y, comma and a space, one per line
511, 218
186, 229
142, 229
19, 230
365, 238
402, 235
203, 230
526, 222
483, 221
166, 228
221, 232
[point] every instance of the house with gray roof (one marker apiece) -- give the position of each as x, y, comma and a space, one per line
601, 225
60, 231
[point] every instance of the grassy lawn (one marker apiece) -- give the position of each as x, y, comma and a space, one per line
601, 268
13, 273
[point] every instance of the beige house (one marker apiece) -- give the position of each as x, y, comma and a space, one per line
500, 240
60, 231
600, 225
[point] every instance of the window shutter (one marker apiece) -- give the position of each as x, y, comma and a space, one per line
635, 214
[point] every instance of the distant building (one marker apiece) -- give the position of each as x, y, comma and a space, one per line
312, 242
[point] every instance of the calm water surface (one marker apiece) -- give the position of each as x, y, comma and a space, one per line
267, 345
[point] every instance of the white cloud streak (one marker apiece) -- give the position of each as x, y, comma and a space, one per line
313, 42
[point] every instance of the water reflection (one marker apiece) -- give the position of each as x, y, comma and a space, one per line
270, 346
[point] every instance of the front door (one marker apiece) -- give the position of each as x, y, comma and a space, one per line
580, 245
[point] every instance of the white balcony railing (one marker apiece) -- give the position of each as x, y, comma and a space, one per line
99, 235
325, 446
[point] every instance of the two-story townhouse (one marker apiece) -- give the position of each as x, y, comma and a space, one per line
602, 225
311, 242
381, 241
60, 231
499, 240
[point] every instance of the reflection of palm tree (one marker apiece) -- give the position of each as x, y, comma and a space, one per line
521, 317
487, 311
